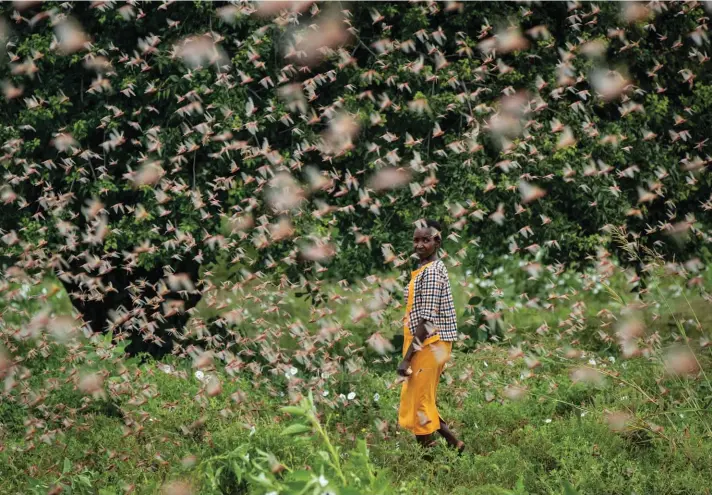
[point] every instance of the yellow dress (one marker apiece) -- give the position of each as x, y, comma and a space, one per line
417, 412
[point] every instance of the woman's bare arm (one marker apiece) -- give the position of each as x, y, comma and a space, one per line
420, 334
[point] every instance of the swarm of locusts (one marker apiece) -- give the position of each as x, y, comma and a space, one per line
86, 193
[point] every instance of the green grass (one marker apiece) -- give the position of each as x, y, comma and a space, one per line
540, 442
153, 427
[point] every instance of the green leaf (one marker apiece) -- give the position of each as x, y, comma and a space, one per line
362, 447
296, 486
296, 429
67, 466
519, 488
292, 410
84, 479
301, 475
568, 489
237, 471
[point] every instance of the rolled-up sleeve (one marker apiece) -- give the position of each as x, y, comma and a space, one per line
429, 294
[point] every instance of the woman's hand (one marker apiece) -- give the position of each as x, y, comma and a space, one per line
404, 368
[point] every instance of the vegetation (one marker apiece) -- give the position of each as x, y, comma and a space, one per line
205, 233
537, 417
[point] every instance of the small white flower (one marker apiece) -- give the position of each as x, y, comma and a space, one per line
325, 393
200, 375
584, 413
612, 359
323, 481
547, 420
293, 371
376, 396
342, 396
351, 396
592, 362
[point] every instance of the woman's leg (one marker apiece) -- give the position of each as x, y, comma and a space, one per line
444, 429
425, 440
450, 437
447, 434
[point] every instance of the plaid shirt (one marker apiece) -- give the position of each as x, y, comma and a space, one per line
433, 302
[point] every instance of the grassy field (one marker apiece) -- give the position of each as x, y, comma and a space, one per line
537, 416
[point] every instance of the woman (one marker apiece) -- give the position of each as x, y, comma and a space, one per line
429, 331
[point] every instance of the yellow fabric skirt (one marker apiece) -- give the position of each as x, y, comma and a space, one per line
417, 412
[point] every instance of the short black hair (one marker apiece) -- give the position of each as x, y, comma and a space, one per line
432, 223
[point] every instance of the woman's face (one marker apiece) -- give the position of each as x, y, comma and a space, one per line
424, 242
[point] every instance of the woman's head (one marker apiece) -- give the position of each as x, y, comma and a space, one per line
427, 238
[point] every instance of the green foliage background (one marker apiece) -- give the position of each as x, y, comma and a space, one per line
140, 432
